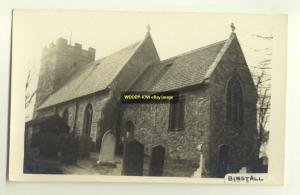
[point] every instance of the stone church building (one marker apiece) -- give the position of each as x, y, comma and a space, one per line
216, 103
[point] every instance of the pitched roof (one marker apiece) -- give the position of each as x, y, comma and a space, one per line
187, 69
92, 77
49, 121
180, 71
183, 70
149, 77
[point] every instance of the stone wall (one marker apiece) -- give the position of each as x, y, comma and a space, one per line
46, 78
205, 112
151, 124
242, 146
105, 109
205, 118
97, 102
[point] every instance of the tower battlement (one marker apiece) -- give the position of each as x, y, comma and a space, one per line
59, 61
61, 45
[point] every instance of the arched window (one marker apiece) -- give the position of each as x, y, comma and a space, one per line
234, 102
65, 116
87, 123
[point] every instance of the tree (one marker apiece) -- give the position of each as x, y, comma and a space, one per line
29, 94
262, 78
263, 106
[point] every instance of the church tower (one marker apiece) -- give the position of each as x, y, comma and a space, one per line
58, 62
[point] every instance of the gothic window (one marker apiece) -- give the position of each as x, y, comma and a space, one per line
87, 123
234, 102
176, 114
65, 116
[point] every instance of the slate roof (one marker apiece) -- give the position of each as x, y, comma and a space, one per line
183, 70
49, 121
180, 71
149, 77
187, 69
92, 77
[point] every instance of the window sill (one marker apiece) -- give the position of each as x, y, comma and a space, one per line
176, 130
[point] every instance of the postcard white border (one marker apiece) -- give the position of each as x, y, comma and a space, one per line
277, 124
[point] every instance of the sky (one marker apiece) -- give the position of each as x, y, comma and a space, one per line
110, 31
107, 32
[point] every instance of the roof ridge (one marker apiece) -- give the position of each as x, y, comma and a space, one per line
139, 44
178, 76
219, 56
193, 50
124, 48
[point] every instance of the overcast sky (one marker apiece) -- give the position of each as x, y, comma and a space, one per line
110, 31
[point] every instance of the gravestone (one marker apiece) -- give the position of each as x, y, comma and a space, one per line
133, 159
108, 147
263, 165
199, 171
157, 161
243, 170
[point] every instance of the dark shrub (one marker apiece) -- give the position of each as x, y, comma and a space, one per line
69, 152
49, 145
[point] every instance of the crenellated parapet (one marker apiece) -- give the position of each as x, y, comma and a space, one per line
62, 45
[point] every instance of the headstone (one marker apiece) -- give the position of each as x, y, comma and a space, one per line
243, 170
263, 166
133, 159
108, 147
157, 161
264, 160
198, 172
